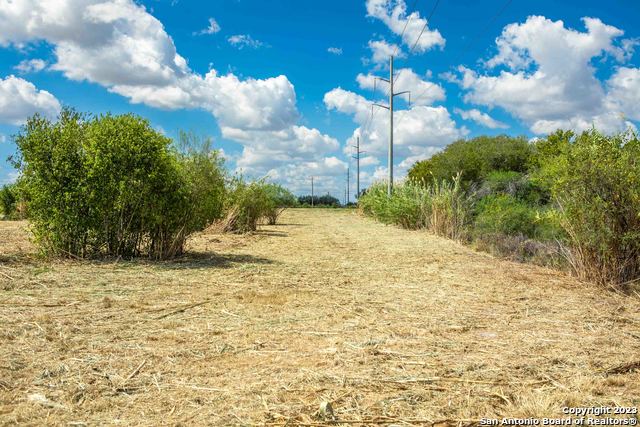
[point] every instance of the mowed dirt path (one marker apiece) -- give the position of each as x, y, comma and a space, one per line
389, 326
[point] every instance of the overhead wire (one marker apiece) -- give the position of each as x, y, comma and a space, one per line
474, 39
466, 47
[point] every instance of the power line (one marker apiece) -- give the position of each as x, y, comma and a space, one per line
392, 95
427, 21
470, 44
433, 10
406, 24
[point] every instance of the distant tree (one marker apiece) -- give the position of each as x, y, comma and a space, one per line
320, 201
8, 200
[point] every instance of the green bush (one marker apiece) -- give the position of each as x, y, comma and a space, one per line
595, 182
474, 159
450, 209
9, 201
503, 213
279, 199
108, 185
205, 176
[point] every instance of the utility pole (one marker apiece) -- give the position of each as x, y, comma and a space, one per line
357, 157
390, 159
348, 185
392, 95
311, 191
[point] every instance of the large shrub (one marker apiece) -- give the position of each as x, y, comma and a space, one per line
595, 181
474, 159
516, 184
108, 185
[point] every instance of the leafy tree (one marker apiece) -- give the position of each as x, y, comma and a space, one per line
474, 159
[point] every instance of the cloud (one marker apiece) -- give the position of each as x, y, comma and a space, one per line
624, 92
381, 51
406, 80
291, 157
329, 176
20, 99
31, 65
244, 40
120, 46
213, 28
548, 80
481, 118
393, 13
335, 50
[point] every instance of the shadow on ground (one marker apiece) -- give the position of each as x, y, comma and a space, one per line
196, 260
190, 260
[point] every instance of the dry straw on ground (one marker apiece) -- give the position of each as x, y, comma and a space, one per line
381, 325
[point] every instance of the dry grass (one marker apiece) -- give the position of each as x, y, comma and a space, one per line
387, 325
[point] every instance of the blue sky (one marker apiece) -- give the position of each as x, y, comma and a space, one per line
284, 87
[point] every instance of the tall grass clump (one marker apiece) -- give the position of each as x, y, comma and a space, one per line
595, 183
406, 207
111, 186
442, 208
246, 204
449, 209
279, 199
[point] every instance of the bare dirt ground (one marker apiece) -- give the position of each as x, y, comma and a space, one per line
388, 326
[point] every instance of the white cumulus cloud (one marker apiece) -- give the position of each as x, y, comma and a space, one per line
335, 50
119, 45
549, 80
481, 118
20, 99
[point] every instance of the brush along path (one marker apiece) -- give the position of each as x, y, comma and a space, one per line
386, 325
